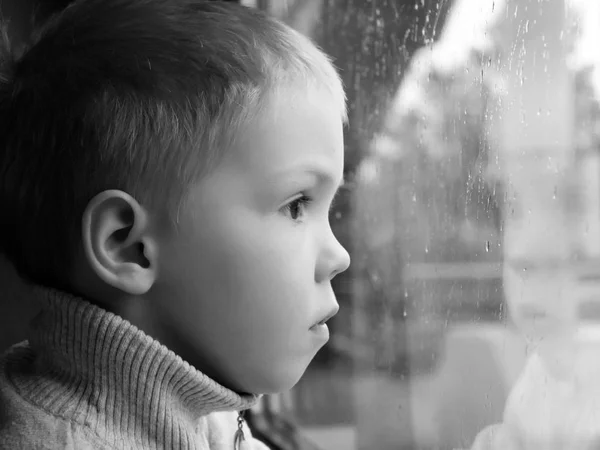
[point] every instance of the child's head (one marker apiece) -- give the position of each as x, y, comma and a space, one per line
175, 162
539, 288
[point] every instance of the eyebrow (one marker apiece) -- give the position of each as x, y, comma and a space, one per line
336, 195
321, 175
325, 176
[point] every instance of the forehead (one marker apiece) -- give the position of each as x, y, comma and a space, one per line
294, 129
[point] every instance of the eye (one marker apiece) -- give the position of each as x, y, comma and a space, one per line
297, 207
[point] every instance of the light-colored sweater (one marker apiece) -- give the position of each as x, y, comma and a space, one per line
552, 407
88, 379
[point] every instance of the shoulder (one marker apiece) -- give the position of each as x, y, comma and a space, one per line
534, 381
27, 426
496, 437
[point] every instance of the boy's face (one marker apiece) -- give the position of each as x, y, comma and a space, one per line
541, 299
248, 274
540, 290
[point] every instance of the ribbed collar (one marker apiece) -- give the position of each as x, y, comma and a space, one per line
96, 368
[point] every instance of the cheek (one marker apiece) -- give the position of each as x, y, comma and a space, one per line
552, 294
534, 288
270, 276
513, 290
262, 309
246, 297
265, 274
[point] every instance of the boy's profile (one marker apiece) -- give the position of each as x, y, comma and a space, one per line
166, 173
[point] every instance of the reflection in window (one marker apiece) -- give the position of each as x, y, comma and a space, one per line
470, 317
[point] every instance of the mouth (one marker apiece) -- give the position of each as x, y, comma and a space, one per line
325, 318
533, 314
536, 317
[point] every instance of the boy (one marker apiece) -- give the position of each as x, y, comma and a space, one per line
166, 173
555, 401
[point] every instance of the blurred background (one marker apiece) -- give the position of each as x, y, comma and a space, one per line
473, 196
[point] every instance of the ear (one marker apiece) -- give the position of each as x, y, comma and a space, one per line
118, 243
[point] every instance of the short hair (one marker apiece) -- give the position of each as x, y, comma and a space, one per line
138, 95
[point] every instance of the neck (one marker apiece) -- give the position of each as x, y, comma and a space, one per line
94, 366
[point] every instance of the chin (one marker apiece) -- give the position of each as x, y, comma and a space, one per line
275, 381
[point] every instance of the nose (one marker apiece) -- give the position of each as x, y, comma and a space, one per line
344, 261
333, 260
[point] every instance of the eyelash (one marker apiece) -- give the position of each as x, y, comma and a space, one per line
302, 202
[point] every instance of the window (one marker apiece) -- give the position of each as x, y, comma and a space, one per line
470, 314
470, 317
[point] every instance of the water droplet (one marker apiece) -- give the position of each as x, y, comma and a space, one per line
487, 246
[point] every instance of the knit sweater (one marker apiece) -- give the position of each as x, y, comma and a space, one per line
88, 379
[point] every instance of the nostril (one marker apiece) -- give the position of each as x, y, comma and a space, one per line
343, 264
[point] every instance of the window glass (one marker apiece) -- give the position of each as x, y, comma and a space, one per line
469, 318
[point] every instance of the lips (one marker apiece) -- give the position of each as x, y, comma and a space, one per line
539, 319
332, 312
